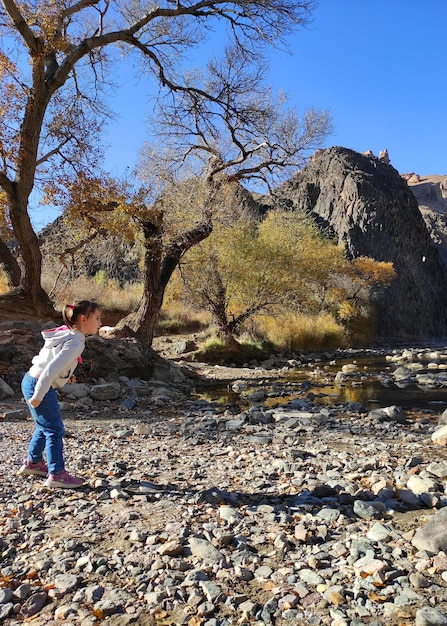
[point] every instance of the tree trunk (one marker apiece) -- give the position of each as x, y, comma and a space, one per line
218, 305
18, 190
157, 271
229, 339
30, 284
141, 322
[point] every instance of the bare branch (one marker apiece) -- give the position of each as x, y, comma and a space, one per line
57, 150
77, 7
73, 249
232, 125
188, 239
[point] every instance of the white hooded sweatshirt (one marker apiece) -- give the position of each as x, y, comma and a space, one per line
57, 360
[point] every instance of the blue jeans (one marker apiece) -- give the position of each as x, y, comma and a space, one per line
49, 429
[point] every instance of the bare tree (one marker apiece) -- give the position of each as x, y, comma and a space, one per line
226, 128
56, 60
232, 125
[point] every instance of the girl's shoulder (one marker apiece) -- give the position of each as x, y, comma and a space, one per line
57, 337
75, 336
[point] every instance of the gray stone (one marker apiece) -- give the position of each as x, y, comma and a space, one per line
76, 390
108, 391
5, 610
429, 616
203, 549
433, 536
5, 595
65, 583
212, 591
34, 604
16, 414
369, 509
5, 390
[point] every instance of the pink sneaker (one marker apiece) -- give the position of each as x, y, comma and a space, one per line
63, 480
34, 469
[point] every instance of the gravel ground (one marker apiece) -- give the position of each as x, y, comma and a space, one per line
263, 512
196, 514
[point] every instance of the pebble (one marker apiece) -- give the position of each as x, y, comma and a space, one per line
198, 513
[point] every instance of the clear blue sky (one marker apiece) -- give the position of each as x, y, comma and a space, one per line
378, 66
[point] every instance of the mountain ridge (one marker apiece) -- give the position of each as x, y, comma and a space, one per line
369, 207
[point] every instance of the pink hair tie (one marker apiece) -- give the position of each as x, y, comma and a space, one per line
71, 306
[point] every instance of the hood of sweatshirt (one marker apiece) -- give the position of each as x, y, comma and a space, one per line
53, 336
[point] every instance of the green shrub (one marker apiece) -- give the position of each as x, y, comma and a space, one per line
217, 350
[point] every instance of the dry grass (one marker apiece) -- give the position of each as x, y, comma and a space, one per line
177, 317
107, 293
3, 284
217, 350
292, 332
174, 318
286, 332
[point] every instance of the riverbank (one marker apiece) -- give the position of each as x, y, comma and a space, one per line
256, 512
193, 513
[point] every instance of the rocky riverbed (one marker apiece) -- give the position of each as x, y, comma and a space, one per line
196, 513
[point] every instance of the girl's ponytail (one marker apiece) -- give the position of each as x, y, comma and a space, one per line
71, 312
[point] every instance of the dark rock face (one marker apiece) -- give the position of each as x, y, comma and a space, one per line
431, 194
369, 207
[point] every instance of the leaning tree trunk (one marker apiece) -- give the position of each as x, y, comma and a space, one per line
157, 271
141, 322
30, 287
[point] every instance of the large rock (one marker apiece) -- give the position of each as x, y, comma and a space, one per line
433, 536
369, 208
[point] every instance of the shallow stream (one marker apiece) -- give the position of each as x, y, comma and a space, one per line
372, 385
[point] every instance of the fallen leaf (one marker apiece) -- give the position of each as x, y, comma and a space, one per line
195, 621
98, 613
375, 597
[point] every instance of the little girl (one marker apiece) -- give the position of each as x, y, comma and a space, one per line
51, 369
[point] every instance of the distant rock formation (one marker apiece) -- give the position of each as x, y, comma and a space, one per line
369, 208
411, 178
384, 156
431, 195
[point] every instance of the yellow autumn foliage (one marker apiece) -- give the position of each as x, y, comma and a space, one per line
371, 271
282, 266
292, 332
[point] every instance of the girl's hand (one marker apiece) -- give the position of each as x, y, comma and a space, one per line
72, 379
34, 403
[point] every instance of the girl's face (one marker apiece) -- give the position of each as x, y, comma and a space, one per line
89, 325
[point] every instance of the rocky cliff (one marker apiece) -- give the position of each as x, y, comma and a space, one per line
370, 208
431, 194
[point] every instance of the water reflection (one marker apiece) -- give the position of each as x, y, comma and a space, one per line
372, 385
